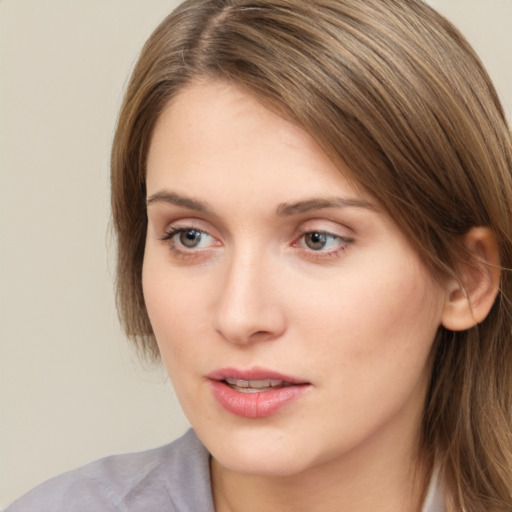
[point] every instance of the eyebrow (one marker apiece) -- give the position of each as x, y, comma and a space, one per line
288, 209
178, 200
283, 210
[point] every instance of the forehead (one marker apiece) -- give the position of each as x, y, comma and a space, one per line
234, 113
215, 131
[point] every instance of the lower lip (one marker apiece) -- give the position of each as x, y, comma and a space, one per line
255, 405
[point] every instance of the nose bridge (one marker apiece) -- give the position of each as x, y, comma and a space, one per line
247, 307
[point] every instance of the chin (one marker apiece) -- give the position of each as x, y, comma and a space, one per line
277, 464
258, 451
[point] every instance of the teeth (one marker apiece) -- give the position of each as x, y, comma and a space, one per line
256, 385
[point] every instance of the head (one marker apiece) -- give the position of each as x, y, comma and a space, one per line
395, 97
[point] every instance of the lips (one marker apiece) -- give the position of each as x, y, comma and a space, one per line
255, 393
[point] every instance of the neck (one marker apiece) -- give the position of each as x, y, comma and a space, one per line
385, 480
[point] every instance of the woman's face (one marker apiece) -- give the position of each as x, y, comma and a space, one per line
293, 316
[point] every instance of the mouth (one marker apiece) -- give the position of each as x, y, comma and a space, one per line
255, 393
256, 386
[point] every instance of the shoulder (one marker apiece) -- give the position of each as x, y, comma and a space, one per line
172, 478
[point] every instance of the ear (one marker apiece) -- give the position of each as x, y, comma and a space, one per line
469, 300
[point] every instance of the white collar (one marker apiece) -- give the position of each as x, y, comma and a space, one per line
434, 501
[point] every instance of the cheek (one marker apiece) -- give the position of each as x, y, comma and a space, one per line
171, 307
375, 327
373, 351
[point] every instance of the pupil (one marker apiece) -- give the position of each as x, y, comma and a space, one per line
316, 241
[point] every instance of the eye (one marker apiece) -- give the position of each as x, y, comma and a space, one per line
188, 238
322, 241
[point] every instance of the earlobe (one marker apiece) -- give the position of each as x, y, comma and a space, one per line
469, 299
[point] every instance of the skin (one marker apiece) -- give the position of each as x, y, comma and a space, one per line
355, 318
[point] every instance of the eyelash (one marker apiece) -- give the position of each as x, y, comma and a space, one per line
343, 243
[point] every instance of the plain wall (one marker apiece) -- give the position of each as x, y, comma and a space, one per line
71, 389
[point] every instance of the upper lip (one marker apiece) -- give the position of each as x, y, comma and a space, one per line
253, 373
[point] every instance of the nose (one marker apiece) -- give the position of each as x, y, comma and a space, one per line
248, 308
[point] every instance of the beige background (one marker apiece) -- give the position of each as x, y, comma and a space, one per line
71, 390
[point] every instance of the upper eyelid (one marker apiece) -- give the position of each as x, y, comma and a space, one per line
158, 208
162, 215
332, 228
190, 223
169, 233
341, 238
316, 222
311, 225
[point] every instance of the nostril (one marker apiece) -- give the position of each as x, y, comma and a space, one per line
262, 335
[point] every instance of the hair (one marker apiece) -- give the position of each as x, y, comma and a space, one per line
393, 90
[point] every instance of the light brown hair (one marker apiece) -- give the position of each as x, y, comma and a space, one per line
394, 91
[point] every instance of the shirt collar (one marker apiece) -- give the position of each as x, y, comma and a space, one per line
434, 501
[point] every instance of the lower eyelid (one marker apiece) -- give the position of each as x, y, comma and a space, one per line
329, 255
170, 231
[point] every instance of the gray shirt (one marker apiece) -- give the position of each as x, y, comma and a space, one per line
173, 478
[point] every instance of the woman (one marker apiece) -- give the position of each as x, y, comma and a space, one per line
313, 208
